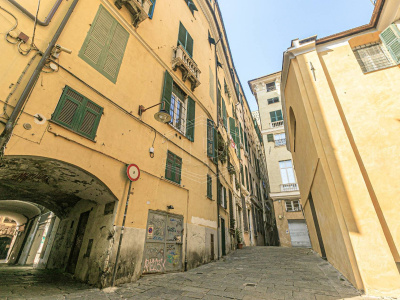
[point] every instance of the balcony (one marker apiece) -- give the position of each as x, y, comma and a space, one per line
289, 187
139, 9
186, 64
281, 142
276, 124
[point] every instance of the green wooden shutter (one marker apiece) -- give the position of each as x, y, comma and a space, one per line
237, 89
167, 92
225, 199
273, 116
169, 167
209, 186
215, 136
233, 111
210, 138
245, 142
182, 35
178, 169
391, 38
67, 110
90, 119
232, 126
189, 44
105, 44
270, 137
237, 142
247, 177
185, 39
279, 115
224, 116
241, 133
190, 120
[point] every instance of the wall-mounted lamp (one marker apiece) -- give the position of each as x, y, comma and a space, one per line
170, 207
161, 116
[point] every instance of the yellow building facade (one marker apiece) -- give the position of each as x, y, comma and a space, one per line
88, 87
339, 97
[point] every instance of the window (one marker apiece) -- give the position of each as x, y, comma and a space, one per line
276, 115
273, 100
292, 206
173, 168
234, 131
270, 138
247, 177
78, 113
271, 87
222, 195
391, 38
105, 44
181, 107
372, 57
280, 139
287, 172
211, 77
241, 173
185, 40
209, 186
191, 6
177, 109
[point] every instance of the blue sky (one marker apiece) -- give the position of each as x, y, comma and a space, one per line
259, 31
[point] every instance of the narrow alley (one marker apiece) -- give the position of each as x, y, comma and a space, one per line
250, 273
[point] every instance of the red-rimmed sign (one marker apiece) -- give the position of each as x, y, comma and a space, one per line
133, 172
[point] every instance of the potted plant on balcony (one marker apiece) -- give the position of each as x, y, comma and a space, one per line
239, 240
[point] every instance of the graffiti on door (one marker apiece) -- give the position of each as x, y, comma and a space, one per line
163, 249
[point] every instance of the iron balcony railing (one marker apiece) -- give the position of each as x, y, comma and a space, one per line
276, 124
289, 187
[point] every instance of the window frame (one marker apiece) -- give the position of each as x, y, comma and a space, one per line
370, 63
209, 187
286, 170
273, 100
175, 99
271, 86
173, 168
291, 207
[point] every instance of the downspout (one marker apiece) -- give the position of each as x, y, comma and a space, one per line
6, 134
46, 21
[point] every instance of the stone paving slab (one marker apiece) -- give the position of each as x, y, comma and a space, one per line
248, 274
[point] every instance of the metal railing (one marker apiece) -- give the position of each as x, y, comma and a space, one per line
289, 187
276, 124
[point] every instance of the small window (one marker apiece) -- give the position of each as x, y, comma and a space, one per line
209, 186
372, 57
271, 87
173, 168
292, 206
280, 139
178, 109
273, 100
78, 113
287, 172
223, 196
211, 139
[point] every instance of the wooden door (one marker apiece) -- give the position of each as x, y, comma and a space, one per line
76, 248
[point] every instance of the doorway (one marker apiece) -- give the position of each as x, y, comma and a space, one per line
5, 242
163, 247
223, 237
76, 248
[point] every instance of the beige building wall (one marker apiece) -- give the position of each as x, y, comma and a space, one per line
342, 121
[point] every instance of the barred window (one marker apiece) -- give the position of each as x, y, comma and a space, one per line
372, 57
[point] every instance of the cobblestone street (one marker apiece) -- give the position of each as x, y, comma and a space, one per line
250, 273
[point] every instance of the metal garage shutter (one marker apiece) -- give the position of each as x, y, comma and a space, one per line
299, 233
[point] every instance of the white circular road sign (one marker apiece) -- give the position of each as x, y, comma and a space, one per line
133, 172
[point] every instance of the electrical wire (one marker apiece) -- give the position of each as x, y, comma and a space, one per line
12, 28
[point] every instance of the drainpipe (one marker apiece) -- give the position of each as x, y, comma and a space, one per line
6, 134
47, 20
216, 85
